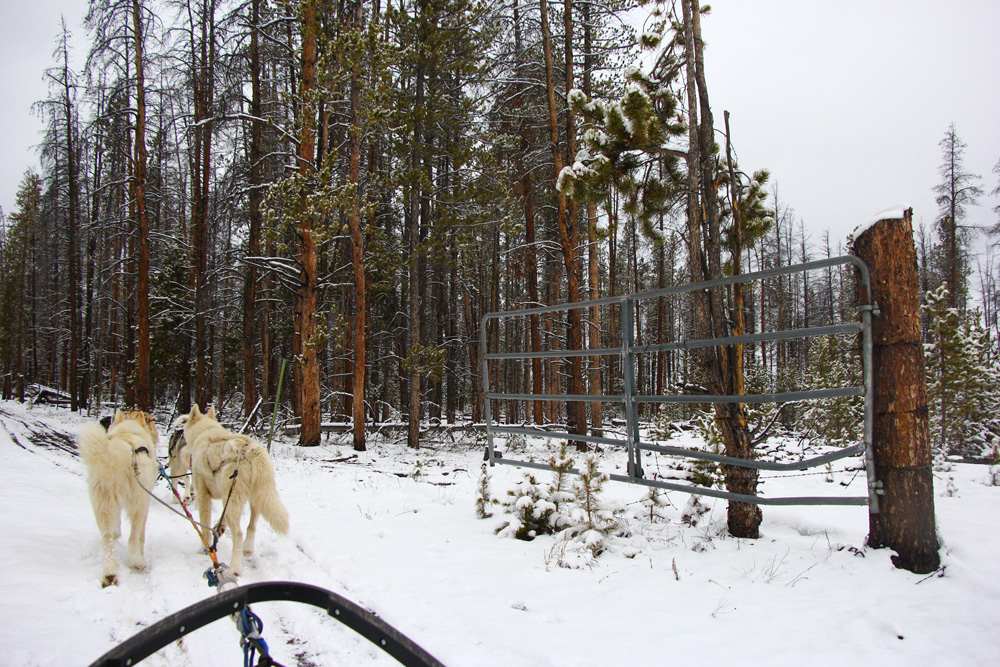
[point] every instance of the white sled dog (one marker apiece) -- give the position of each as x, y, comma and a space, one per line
179, 460
118, 460
222, 460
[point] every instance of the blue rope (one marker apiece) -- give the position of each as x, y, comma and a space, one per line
250, 627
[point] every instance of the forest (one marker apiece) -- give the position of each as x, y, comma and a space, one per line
323, 199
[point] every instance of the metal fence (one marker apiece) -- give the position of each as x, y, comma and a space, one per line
630, 399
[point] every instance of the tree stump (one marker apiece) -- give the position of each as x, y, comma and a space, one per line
901, 435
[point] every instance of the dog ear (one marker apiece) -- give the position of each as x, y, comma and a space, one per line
119, 417
151, 427
195, 414
211, 412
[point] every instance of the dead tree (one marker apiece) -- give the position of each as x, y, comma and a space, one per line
901, 436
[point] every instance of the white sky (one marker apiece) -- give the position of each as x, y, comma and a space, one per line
844, 102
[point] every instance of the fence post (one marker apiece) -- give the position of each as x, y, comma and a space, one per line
901, 436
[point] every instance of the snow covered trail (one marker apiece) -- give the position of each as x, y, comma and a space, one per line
51, 565
395, 531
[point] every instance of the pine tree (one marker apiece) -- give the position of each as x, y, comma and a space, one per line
957, 191
593, 521
963, 383
833, 421
561, 491
654, 503
530, 508
483, 496
17, 287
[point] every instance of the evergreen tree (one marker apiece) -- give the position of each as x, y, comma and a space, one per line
17, 287
530, 509
483, 496
561, 491
833, 421
593, 520
957, 191
963, 384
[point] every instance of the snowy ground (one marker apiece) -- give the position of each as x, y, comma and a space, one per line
409, 547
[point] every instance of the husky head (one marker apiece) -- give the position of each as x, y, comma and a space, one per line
143, 418
196, 421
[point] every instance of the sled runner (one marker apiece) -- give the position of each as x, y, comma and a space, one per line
236, 601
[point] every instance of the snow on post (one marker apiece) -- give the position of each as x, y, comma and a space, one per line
901, 436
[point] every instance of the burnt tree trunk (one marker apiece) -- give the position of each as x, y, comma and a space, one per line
901, 435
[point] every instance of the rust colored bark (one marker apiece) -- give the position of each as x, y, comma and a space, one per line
901, 436
306, 303
568, 239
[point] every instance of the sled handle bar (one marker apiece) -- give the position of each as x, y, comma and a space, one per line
173, 627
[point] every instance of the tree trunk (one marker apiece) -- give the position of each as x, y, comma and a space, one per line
202, 54
530, 250
901, 436
704, 264
255, 200
142, 395
568, 238
594, 334
357, 259
72, 224
414, 356
308, 385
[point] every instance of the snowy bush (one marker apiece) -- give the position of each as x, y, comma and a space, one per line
707, 473
654, 505
529, 508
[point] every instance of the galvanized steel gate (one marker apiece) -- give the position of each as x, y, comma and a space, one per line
630, 399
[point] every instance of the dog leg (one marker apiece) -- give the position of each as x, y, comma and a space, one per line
204, 509
108, 517
251, 532
137, 539
233, 516
110, 572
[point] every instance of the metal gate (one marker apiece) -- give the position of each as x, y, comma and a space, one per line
630, 399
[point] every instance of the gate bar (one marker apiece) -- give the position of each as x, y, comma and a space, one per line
630, 399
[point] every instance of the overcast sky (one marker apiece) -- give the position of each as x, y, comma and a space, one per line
844, 102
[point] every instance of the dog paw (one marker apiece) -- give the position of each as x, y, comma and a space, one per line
109, 580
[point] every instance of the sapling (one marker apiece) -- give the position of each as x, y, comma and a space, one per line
561, 493
530, 510
654, 501
483, 498
593, 521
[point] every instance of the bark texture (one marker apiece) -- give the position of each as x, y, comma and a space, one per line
901, 437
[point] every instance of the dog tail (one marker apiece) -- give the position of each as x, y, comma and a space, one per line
94, 443
266, 498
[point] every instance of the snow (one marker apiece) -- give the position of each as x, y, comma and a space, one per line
395, 531
896, 212
576, 97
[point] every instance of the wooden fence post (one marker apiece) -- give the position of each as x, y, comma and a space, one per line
901, 436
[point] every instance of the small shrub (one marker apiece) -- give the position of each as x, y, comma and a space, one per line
530, 510
483, 497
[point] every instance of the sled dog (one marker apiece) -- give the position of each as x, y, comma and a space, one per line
118, 460
179, 458
222, 460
